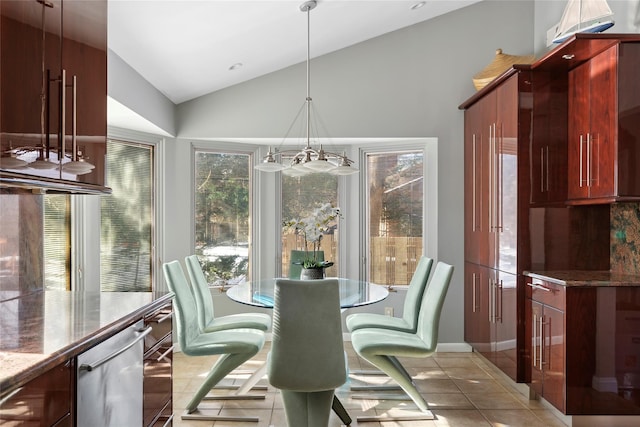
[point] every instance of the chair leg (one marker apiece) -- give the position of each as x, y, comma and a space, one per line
242, 391
339, 410
395, 370
307, 409
223, 366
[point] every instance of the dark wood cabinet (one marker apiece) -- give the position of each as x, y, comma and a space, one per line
158, 364
43, 401
603, 145
549, 138
581, 339
497, 125
546, 329
53, 95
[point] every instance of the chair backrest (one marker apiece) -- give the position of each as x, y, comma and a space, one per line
432, 302
299, 256
201, 292
184, 304
307, 351
418, 283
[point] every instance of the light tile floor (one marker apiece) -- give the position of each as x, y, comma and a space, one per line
462, 389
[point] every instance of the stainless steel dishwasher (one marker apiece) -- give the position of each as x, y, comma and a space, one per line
109, 381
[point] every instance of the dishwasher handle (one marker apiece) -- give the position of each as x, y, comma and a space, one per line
91, 366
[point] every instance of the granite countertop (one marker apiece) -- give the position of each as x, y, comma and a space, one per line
41, 330
586, 278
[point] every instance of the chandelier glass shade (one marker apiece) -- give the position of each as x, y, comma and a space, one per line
308, 159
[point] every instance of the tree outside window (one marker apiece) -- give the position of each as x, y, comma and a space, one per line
395, 214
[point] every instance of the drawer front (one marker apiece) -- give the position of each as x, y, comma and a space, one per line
43, 401
158, 361
547, 293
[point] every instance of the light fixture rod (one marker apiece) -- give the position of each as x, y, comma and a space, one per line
307, 7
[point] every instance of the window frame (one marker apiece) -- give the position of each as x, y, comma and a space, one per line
86, 220
429, 148
229, 148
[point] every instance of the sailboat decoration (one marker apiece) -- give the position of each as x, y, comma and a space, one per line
583, 16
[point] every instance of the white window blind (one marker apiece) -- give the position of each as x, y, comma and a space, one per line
127, 219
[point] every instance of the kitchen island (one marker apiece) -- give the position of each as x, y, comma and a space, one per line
44, 332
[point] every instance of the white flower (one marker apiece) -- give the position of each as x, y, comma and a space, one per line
313, 227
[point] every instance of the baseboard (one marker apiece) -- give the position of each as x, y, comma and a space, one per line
447, 347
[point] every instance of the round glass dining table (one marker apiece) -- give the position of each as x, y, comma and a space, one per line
353, 292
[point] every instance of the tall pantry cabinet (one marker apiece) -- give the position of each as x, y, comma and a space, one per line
497, 128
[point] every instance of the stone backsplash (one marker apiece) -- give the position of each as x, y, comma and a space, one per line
625, 238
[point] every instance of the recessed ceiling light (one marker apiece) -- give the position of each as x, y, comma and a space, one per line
418, 5
235, 66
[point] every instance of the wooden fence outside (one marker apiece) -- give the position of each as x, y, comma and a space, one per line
393, 259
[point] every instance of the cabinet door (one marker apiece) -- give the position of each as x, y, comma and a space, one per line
552, 356
84, 62
26, 54
158, 363
533, 326
475, 187
601, 139
491, 174
505, 193
579, 144
505, 321
477, 327
44, 401
548, 153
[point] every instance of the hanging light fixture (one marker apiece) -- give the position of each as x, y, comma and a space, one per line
73, 163
308, 160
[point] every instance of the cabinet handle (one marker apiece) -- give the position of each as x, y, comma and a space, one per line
91, 366
490, 301
163, 355
540, 287
74, 122
473, 293
548, 362
498, 302
547, 167
542, 323
541, 341
491, 174
534, 339
580, 179
63, 115
165, 317
500, 180
588, 160
169, 420
473, 185
9, 395
541, 169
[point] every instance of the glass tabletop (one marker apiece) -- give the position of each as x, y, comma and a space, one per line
353, 293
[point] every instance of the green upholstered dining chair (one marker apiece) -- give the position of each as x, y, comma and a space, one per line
307, 360
206, 317
235, 346
409, 320
383, 347
295, 266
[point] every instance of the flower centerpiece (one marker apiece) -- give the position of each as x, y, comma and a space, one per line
311, 229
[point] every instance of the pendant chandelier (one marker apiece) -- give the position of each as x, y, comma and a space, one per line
308, 159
